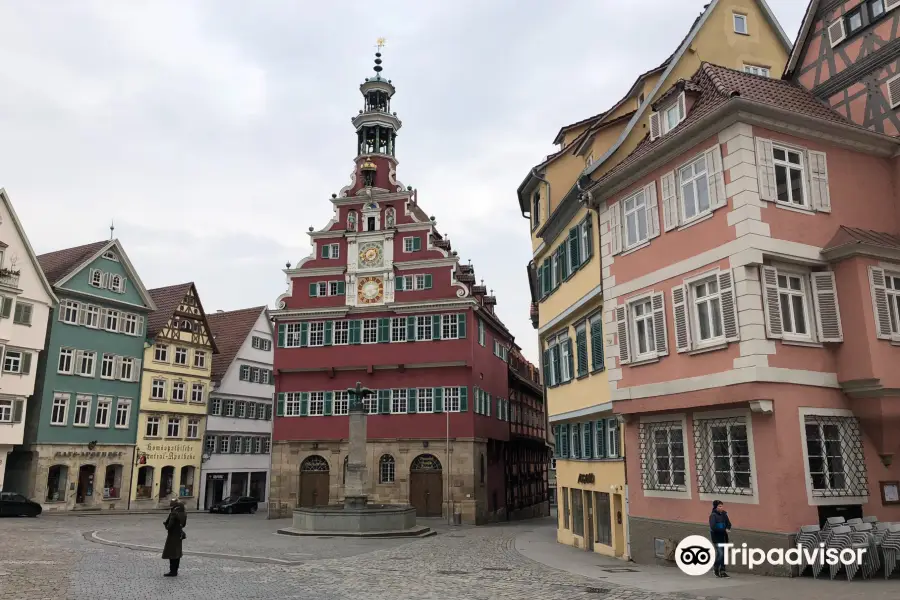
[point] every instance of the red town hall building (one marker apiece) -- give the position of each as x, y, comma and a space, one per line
383, 300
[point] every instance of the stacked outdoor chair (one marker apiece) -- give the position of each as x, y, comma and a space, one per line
840, 538
890, 548
808, 538
870, 519
824, 537
863, 539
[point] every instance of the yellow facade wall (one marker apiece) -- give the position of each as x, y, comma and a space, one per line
186, 448
609, 478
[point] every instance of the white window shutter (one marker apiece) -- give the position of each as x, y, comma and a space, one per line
670, 201
136, 370
104, 280
891, 4
82, 314
62, 311
682, 320
652, 209
655, 125
825, 300
771, 302
79, 356
615, 227
622, 334
102, 323
837, 33
729, 307
880, 303
765, 168
122, 283
715, 177
659, 324
91, 276
682, 107
818, 181
893, 87
117, 367
140, 326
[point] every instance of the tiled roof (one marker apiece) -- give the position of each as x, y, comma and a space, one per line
230, 329
59, 263
167, 300
847, 236
717, 85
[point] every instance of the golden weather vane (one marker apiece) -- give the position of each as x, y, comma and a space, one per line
380, 43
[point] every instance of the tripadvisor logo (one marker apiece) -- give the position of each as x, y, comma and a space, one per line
696, 555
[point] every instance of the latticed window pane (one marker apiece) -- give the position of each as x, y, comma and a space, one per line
837, 465
386, 469
723, 456
662, 456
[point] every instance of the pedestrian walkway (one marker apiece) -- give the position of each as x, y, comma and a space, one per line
539, 544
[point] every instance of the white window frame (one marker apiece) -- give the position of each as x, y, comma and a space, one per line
117, 283
88, 357
316, 333
82, 415
108, 360
96, 278
449, 327
199, 359
634, 342
451, 399
292, 335
292, 404
341, 403
423, 324
584, 241
694, 308
803, 275
111, 320
60, 400
681, 492
158, 389
104, 409
66, 355
753, 497
92, 316
740, 18
197, 392
641, 213
692, 180
181, 351
70, 311
130, 324
178, 391
322, 289
481, 332
399, 401
804, 174
173, 426
316, 404
341, 333
425, 400
409, 244
369, 331
12, 361
564, 374
151, 426
757, 70
812, 497
127, 366
419, 282
398, 329
123, 407
161, 353
193, 429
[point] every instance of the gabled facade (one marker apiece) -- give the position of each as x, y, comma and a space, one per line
384, 301
26, 300
567, 271
750, 329
174, 392
80, 431
238, 441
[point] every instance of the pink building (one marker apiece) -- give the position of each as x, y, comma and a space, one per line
751, 276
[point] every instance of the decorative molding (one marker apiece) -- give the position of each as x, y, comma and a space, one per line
426, 264
323, 271
346, 189
309, 314
582, 412
766, 407
392, 176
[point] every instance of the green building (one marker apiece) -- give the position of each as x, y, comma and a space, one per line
81, 422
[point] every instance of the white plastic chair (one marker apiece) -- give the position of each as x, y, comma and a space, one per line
890, 549
808, 538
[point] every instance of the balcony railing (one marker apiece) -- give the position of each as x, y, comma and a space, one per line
9, 278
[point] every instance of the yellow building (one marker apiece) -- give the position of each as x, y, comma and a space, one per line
175, 387
570, 266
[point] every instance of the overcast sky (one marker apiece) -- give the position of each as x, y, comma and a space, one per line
213, 132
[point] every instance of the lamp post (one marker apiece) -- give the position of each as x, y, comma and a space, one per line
203, 458
449, 491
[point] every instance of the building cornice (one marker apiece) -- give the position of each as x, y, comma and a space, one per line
387, 367
854, 249
589, 411
425, 264
301, 272
65, 292
326, 313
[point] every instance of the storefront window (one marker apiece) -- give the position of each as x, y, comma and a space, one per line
145, 483
57, 477
577, 513
258, 486
112, 482
604, 518
186, 482
565, 497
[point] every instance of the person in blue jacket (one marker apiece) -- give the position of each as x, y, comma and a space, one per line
719, 525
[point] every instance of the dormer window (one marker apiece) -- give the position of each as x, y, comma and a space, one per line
673, 118
740, 24
535, 210
117, 283
668, 118
110, 255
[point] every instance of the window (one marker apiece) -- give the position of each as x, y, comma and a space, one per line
200, 359
317, 334
370, 403
331, 251
341, 333
694, 189
789, 176
123, 412
708, 311
96, 278
127, 367
152, 429
215, 406
66, 359
101, 419
322, 288
398, 329
107, 366
854, 21
635, 215
229, 408
158, 389
86, 364
581, 349
209, 444
740, 24
69, 312
291, 404
262, 343
341, 403
197, 392
334, 288
876, 9
597, 342
792, 301
161, 353
386, 469
110, 255
82, 410
111, 323
535, 210
835, 456
642, 318
12, 362
585, 240
672, 116
425, 400
450, 327
452, 401
293, 335
22, 314
60, 409
254, 374
412, 244
565, 359
723, 455
423, 327
398, 401
370, 224
251, 410
267, 444
257, 445
370, 331
173, 427
316, 403
481, 332
117, 284
178, 391
892, 285
181, 356
6, 411
224, 443
92, 316
754, 70
663, 466
130, 323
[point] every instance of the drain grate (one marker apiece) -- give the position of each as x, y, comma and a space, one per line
620, 570
497, 569
453, 572
596, 590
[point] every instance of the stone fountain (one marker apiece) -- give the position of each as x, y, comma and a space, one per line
355, 516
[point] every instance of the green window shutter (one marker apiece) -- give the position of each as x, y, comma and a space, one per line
574, 263
463, 399
341, 288
574, 448
564, 435
7, 307
555, 364
428, 332
590, 236
280, 411
329, 332
313, 290
546, 369
571, 358
417, 244
304, 335
461, 325
588, 434
281, 334
581, 342
356, 331
325, 249
384, 330
18, 410
487, 404
427, 281
398, 283
26, 363
438, 394
304, 404
411, 400
410, 329
329, 402
436, 327
600, 436
556, 441
500, 408
546, 278
384, 401
596, 344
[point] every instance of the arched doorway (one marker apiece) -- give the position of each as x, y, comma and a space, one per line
314, 481
426, 486
166, 482
85, 487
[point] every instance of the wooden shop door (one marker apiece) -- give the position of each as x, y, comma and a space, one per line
315, 480
426, 486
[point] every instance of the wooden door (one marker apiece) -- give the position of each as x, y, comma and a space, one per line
426, 493
314, 488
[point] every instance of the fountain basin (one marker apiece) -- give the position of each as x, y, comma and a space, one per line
371, 520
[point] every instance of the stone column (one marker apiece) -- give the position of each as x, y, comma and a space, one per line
355, 488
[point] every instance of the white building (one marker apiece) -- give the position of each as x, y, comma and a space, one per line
26, 299
237, 452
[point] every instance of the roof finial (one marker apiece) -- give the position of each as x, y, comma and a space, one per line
112, 229
379, 45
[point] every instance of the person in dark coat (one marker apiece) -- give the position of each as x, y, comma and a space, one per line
174, 524
719, 525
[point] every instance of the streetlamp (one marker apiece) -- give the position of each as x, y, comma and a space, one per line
203, 458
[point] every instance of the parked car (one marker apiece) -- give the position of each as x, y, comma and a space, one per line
235, 504
17, 505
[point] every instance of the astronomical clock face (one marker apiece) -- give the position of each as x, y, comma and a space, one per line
371, 254
370, 290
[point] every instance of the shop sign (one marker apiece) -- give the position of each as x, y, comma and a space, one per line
173, 451
89, 454
217, 476
586, 478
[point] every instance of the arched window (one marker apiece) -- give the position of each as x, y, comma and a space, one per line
57, 480
314, 463
386, 469
144, 483
186, 482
